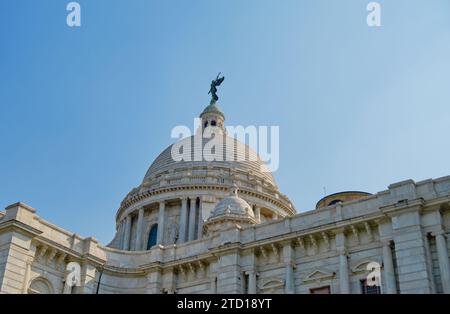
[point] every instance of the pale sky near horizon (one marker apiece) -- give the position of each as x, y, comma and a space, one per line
84, 111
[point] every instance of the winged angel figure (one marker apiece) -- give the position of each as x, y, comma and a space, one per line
213, 89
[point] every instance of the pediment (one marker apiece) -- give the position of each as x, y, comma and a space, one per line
318, 275
364, 265
272, 284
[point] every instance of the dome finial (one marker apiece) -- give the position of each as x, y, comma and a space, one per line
212, 115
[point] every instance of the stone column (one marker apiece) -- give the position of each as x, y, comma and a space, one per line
388, 265
183, 221
229, 272
161, 216
444, 268
120, 232
411, 255
344, 282
126, 238
154, 281
251, 282
88, 279
140, 222
200, 220
288, 256
192, 220
343, 273
258, 214
426, 244
27, 276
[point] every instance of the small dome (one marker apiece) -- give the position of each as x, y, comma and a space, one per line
212, 108
233, 205
340, 197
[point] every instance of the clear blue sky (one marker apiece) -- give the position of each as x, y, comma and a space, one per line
83, 112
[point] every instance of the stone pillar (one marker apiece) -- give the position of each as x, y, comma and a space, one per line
251, 282
161, 216
183, 221
426, 242
126, 237
389, 272
27, 276
444, 268
258, 214
88, 279
120, 232
229, 272
410, 252
200, 219
154, 284
192, 220
343, 273
344, 282
288, 257
140, 222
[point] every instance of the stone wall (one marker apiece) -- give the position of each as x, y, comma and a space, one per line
403, 229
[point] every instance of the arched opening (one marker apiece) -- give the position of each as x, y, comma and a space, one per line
40, 285
333, 202
152, 236
213, 123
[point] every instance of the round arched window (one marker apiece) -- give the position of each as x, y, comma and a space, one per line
40, 285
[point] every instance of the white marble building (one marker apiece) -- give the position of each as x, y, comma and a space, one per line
223, 227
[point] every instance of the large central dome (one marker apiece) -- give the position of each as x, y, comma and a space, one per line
245, 159
201, 169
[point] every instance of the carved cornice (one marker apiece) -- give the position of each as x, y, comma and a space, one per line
16, 225
148, 194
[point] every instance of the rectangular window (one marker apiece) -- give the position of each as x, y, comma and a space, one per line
320, 290
366, 289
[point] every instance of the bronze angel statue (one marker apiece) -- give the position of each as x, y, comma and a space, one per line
213, 89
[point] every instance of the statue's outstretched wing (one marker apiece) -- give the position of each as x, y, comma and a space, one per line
220, 80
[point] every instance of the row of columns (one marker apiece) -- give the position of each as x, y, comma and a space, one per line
125, 230
189, 220
187, 224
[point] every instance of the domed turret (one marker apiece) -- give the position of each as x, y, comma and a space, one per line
231, 211
212, 116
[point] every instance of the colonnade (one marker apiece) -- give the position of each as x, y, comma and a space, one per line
189, 228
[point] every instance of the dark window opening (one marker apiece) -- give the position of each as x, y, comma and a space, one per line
321, 290
152, 236
245, 283
366, 289
213, 123
334, 202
